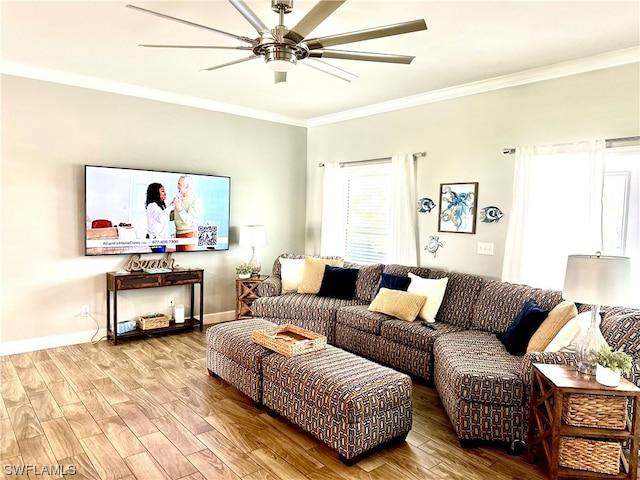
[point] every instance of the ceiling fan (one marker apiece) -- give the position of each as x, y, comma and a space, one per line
282, 48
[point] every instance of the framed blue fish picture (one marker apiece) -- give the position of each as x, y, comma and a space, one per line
458, 207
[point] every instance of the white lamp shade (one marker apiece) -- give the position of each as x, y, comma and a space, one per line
597, 280
253, 236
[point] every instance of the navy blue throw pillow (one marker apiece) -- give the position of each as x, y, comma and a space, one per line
394, 282
517, 336
338, 282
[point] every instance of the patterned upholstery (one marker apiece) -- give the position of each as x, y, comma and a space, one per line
309, 311
500, 302
349, 403
232, 355
459, 297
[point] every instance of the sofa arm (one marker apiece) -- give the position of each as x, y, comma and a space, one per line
554, 358
270, 287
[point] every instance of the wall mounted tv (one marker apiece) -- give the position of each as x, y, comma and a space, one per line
147, 211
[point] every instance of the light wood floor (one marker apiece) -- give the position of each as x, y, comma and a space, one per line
147, 409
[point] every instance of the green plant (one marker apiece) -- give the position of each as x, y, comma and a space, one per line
617, 360
244, 269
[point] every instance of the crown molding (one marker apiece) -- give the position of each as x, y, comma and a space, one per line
93, 83
549, 72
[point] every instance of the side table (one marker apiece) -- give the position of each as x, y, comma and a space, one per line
553, 430
246, 294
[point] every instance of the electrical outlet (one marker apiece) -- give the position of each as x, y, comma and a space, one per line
171, 302
85, 310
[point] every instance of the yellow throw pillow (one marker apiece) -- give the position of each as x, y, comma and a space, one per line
557, 318
313, 273
397, 303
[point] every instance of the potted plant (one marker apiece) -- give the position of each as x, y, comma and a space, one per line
244, 270
610, 364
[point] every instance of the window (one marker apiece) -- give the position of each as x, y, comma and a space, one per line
367, 202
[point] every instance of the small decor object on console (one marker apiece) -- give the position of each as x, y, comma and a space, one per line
155, 320
595, 280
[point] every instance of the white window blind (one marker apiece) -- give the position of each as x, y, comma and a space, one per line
367, 211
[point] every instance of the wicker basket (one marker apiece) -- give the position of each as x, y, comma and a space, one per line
150, 322
289, 339
598, 411
591, 455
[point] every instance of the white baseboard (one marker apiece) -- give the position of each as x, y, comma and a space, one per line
53, 341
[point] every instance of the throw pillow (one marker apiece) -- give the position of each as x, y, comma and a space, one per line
313, 273
517, 336
338, 282
433, 289
291, 272
568, 336
558, 318
394, 282
399, 304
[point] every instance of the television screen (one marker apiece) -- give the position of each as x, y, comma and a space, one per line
145, 211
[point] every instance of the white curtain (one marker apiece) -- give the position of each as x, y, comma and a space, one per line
403, 230
332, 235
556, 211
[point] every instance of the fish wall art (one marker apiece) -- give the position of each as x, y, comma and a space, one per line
425, 205
491, 214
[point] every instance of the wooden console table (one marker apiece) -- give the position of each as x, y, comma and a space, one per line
117, 282
553, 384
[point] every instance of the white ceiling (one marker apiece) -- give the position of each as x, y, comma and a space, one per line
94, 43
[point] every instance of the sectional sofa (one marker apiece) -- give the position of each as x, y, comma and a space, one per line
484, 389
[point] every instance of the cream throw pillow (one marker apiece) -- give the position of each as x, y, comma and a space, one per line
431, 288
557, 318
291, 273
568, 336
313, 273
399, 304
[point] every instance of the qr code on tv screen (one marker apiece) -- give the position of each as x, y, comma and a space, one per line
207, 235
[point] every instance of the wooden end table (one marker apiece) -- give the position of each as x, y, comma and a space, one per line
245, 295
550, 385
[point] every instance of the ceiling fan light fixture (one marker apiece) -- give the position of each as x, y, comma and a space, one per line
280, 59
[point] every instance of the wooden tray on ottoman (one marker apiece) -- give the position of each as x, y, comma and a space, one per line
289, 339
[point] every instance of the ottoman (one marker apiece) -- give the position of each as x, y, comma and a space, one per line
232, 356
348, 402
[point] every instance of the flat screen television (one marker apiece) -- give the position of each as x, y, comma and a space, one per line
148, 211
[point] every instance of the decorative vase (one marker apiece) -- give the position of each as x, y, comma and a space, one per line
244, 275
607, 377
591, 342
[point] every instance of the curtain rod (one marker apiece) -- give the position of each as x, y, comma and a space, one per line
373, 160
608, 141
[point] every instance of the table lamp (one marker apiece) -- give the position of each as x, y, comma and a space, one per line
595, 280
253, 236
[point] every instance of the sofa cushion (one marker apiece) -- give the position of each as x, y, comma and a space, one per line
620, 327
557, 318
368, 280
338, 282
498, 304
567, 338
395, 269
459, 297
314, 273
292, 271
433, 290
478, 368
399, 304
359, 317
395, 282
517, 336
415, 334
